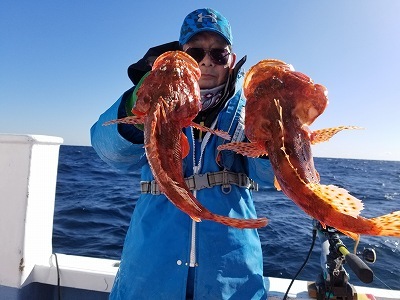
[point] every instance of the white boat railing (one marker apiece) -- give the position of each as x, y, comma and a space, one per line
28, 174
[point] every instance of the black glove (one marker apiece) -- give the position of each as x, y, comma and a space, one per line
137, 70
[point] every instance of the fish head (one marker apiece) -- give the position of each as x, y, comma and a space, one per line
258, 87
273, 81
172, 83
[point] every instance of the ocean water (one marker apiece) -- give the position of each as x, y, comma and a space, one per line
94, 204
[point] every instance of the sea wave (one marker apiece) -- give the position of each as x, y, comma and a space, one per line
94, 204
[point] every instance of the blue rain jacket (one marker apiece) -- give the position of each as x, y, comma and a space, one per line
163, 242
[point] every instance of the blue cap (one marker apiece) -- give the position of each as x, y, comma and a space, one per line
205, 19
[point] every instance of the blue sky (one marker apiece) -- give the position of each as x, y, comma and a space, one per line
62, 63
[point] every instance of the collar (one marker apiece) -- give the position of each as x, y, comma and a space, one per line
210, 97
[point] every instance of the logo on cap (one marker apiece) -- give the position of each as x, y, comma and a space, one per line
211, 16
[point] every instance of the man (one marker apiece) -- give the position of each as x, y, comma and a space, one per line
166, 255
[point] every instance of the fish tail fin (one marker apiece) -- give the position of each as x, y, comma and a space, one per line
389, 224
194, 218
238, 223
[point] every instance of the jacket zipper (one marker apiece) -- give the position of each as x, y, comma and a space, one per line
196, 170
192, 261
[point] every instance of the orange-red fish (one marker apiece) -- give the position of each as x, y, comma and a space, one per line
286, 102
167, 101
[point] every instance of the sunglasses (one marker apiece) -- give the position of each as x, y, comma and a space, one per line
217, 55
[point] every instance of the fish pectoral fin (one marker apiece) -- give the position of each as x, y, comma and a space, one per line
217, 132
323, 135
134, 120
184, 145
246, 149
338, 198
